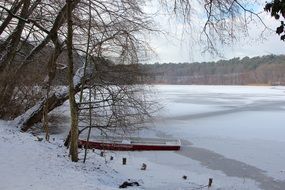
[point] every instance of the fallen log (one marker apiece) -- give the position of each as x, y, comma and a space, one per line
35, 113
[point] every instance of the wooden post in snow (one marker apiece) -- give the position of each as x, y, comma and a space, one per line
124, 161
210, 182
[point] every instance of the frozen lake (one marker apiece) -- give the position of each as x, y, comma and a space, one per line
238, 130
233, 134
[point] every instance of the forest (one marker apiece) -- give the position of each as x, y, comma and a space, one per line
261, 70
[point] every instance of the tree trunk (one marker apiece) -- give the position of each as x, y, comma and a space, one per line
73, 149
51, 66
8, 56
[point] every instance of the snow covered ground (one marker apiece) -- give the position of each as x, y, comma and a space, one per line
233, 134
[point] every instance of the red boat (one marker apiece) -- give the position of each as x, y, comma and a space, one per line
131, 144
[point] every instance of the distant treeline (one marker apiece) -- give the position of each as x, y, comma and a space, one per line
264, 70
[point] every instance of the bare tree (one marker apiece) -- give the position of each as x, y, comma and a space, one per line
96, 30
43, 24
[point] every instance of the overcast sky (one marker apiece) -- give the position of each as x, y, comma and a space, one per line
175, 47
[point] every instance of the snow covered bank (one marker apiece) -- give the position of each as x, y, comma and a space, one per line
27, 163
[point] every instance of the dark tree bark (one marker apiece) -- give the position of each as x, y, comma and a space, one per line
12, 11
73, 149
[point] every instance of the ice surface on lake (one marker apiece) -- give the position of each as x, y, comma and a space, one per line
243, 123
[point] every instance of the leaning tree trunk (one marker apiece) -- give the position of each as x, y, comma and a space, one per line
35, 113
